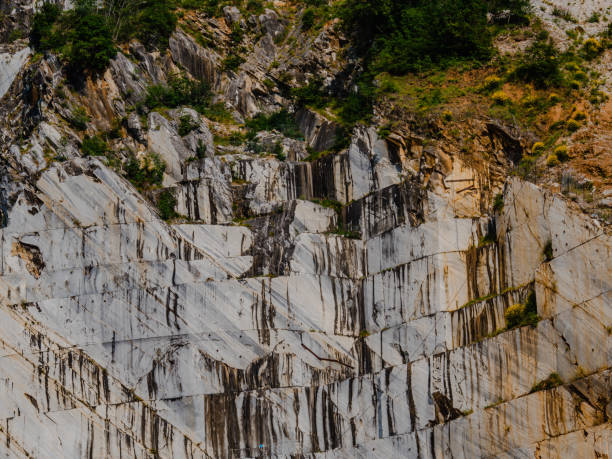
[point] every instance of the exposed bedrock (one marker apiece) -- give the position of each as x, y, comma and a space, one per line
395, 299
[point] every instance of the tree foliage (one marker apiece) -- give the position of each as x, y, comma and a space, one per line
155, 23
88, 34
403, 36
41, 33
540, 65
179, 91
91, 43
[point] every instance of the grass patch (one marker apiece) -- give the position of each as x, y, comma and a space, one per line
330, 204
564, 14
499, 401
553, 380
349, 234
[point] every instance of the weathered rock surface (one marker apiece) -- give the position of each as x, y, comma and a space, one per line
10, 65
352, 306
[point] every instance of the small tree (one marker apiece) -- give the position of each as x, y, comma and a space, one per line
92, 45
166, 203
156, 23
540, 65
41, 33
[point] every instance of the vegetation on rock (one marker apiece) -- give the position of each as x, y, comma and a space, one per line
553, 380
87, 36
281, 121
94, 146
522, 314
166, 203
145, 173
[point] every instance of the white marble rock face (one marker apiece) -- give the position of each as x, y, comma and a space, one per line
113, 320
122, 335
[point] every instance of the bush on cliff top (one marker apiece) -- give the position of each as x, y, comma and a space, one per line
87, 35
82, 36
402, 36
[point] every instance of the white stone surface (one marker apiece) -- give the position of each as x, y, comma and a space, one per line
10, 65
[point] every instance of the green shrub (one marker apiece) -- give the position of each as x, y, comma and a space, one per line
86, 35
146, 173
92, 45
310, 95
201, 150
388, 86
79, 118
540, 65
594, 17
592, 48
82, 35
42, 35
237, 34
522, 314
15, 34
538, 147
93, 146
547, 251
278, 151
514, 315
179, 91
186, 125
551, 382
254, 147
330, 204
192, 4
491, 83
385, 130
357, 105
552, 160
500, 97
281, 121
236, 139
405, 36
232, 62
255, 7
216, 112
509, 11
561, 152
498, 202
155, 23
581, 76
166, 203
572, 125
308, 19
212, 8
